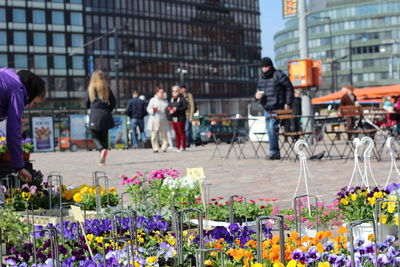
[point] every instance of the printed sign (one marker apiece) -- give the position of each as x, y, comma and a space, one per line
43, 134
195, 173
289, 8
77, 126
77, 214
118, 136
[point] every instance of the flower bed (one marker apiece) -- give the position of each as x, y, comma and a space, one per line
156, 246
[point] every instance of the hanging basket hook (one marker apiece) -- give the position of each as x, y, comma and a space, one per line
298, 150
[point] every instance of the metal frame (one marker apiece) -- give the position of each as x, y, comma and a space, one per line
280, 219
231, 208
53, 237
354, 224
179, 223
378, 214
173, 226
297, 210
56, 178
393, 165
98, 194
65, 206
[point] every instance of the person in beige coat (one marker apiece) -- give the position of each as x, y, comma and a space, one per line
158, 122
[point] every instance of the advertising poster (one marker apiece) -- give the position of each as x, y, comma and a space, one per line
43, 134
289, 8
118, 136
77, 126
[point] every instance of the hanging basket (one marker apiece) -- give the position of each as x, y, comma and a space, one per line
6, 157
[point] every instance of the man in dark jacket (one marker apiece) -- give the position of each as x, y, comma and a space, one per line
136, 110
274, 91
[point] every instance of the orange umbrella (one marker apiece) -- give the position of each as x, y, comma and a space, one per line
362, 93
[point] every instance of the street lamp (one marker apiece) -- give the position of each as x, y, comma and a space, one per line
331, 50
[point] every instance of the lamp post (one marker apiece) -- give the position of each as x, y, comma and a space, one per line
331, 50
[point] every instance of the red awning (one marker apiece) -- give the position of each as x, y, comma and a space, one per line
362, 93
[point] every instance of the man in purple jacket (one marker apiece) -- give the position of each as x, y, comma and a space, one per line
17, 91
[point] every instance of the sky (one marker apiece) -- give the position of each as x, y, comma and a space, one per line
271, 21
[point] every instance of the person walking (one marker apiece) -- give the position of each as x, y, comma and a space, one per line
158, 122
18, 91
274, 92
189, 113
101, 102
176, 112
136, 110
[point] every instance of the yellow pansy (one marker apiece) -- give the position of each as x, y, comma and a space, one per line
78, 197
26, 195
378, 194
151, 259
99, 239
90, 237
344, 201
208, 262
292, 263
353, 197
371, 200
276, 264
112, 190
324, 264
384, 219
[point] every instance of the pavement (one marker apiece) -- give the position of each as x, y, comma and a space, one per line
252, 177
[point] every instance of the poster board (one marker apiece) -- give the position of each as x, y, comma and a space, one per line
77, 125
43, 134
118, 136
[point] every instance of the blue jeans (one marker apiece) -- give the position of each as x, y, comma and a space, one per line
188, 132
272, 127
134, 124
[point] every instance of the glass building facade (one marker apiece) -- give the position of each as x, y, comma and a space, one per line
39, 35
215, 42
365, 37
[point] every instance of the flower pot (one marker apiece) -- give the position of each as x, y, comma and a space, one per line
6, 157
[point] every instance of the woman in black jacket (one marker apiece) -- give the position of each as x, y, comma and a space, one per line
101, 103
176, 112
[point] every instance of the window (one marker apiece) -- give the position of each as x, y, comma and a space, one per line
40, 62
59, 62
39, 39
60, 84
3, 38
21, 61
20, 38
3, 60
38, 16
59, 39
77, 62
19, 15
76, 40
2, 14
76, 19
76, 1
57, 17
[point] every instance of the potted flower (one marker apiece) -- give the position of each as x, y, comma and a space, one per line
26, 145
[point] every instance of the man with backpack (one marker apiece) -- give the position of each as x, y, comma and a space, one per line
274, 92
191, 109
